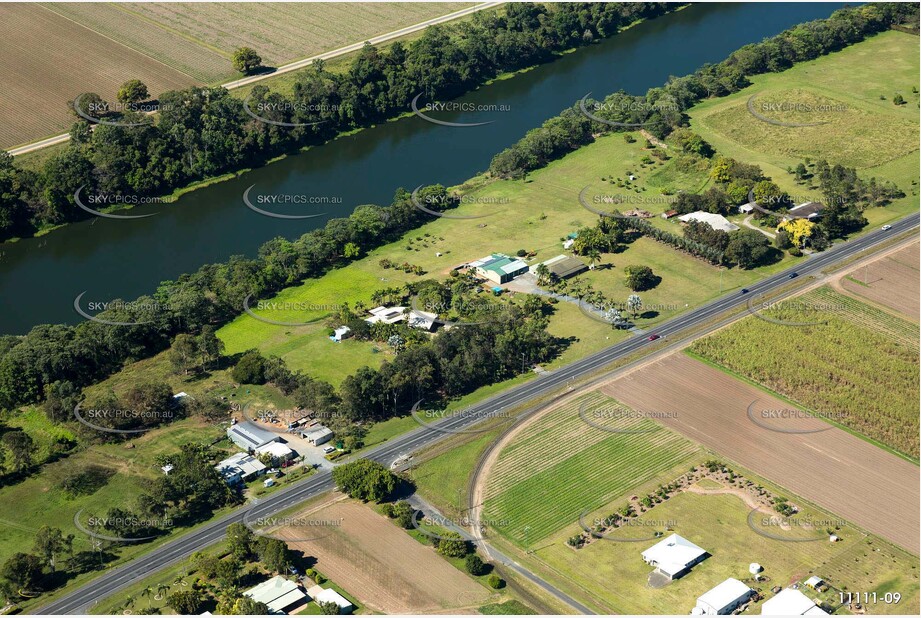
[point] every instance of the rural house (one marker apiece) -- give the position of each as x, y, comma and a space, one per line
717, 222
806, 210
279, 594
674, 556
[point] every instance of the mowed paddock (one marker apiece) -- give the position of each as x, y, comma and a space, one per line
837, 471
49, 60
892, 281
381, 565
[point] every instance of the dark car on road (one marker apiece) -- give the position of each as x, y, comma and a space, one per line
794, 275
745, 290
653, 337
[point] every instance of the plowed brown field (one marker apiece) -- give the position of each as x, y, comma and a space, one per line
49, 60
382, 566
847, 476
893, 281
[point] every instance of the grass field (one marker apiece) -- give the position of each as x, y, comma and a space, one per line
443, 478
845, 359
531, 215
561, 466
843, 91
718, 524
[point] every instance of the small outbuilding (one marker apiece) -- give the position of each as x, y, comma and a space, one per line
814, 582
790, 602
717, 222
318, 435
564, 266
724, 598
328, 595
341, 333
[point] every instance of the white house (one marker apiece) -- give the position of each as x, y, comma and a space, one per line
790, 602
328, 595
717, 222
814, 582
239, 468
723, 599
387, 315
278, 593
674, 556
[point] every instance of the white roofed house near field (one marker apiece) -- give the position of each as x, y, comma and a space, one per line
278, 593
328, 595
723, 599
674, 556
717, 222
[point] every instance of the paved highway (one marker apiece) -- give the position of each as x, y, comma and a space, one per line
82, 598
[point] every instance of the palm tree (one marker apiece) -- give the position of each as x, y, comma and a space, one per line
162, 589
543, 274
148, 592
594, 255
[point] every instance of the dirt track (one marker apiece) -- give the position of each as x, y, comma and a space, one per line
382, 566
849, 477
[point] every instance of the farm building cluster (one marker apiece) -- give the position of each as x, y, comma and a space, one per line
283, 596
674, 557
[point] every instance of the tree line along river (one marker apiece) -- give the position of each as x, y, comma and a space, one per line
109, 258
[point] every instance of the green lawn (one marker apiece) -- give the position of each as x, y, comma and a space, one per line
877, 137
443, 479
561, 466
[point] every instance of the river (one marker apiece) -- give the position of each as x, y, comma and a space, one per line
106, 258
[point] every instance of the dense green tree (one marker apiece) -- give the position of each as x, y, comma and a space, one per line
246, 60
365, 480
